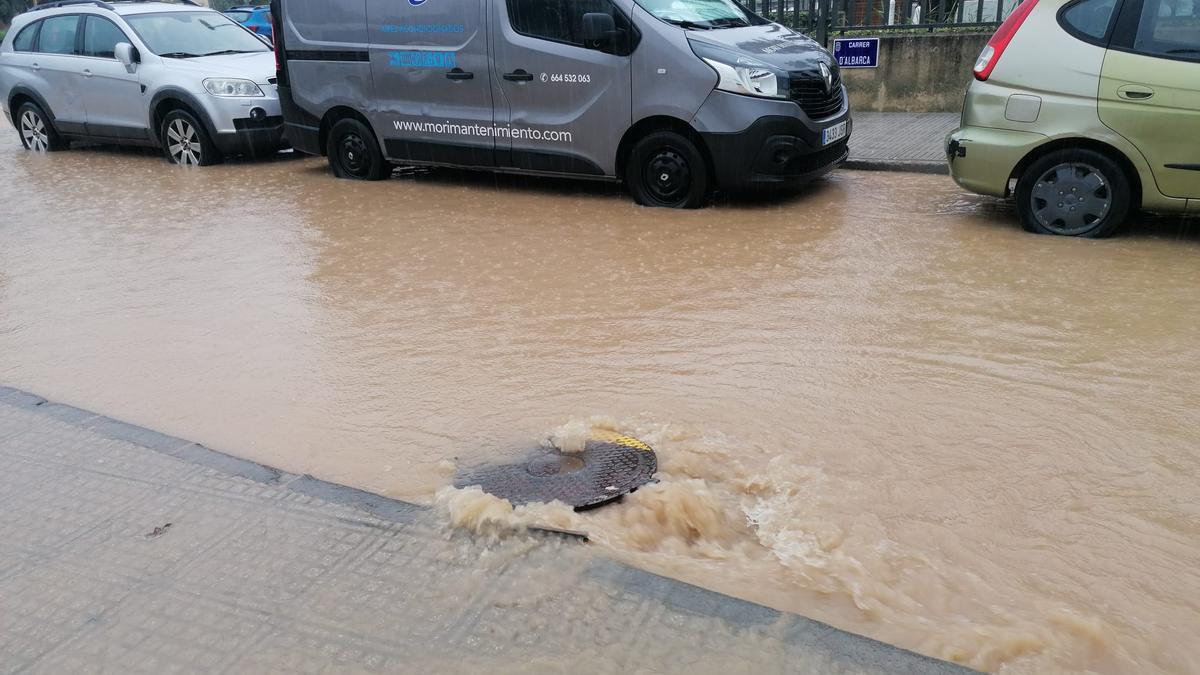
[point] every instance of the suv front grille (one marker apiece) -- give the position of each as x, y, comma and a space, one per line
808, 91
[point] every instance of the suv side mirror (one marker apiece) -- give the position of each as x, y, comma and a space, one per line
126, 54
599, 29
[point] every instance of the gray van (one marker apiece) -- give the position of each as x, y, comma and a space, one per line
675, 97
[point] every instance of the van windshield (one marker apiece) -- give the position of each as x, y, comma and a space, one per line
703, 14
189, 34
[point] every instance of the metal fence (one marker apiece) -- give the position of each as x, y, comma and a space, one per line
841, 16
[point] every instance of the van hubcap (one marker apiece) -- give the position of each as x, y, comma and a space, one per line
183, 143
33, 132
1071, 198
668, 176
354, 156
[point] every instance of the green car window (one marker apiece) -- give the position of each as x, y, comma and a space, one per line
1169, 28
1090, 18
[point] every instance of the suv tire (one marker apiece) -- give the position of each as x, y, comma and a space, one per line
667, 169
354, 153
1074, 192
36, 130
185, 141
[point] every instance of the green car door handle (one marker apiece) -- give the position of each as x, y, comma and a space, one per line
1135, 92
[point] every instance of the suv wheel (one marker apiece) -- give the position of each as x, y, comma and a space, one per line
667, 169
354, 153
1075, 193
37, 132
186, 142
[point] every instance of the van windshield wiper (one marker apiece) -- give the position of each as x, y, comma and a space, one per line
231, 51
689, 25
730, 22
178, 55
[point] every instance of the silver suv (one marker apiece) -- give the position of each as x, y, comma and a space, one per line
180, 77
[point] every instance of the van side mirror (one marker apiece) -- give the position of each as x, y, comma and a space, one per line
126, 54
599, 29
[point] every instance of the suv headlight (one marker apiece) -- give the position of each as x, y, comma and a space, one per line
742, 74
228, 86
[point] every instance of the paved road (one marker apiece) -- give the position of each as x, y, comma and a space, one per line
901, 141
125, 550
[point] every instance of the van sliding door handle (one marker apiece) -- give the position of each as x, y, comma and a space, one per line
459, 74
518, 75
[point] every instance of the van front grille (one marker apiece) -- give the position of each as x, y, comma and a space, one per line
808, 91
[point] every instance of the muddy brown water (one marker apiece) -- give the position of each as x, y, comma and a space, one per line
876, 402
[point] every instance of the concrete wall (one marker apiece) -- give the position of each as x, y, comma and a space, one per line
916, 73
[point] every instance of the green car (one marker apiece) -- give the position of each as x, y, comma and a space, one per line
1086, 111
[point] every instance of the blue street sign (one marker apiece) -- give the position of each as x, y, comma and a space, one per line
856, 52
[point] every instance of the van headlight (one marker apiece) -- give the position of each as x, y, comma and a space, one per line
228, 86
742, 74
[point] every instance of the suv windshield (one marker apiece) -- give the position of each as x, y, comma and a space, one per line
699, 13
189, 34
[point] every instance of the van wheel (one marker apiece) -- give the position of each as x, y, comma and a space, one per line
354, 153
185, 141
1075, 193
667, 169
37, 132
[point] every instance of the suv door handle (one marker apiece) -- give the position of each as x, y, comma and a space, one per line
518, 75
459, 74
87, 72
36, 66
1135, 92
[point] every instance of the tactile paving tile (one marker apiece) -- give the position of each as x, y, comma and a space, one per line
260, 576
609, 466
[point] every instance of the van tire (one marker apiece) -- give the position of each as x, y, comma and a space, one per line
354, 153
36, 130
666, 169
1088, 183
185, 141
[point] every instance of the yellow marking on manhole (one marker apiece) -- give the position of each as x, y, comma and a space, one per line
620, 439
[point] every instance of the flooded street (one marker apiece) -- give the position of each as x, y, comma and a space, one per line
877, 403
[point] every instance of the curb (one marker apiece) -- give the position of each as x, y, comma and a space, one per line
384, 508
899, 165
845, 649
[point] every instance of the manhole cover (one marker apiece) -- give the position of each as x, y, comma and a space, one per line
611, 465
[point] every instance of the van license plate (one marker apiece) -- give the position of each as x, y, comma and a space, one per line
834, 133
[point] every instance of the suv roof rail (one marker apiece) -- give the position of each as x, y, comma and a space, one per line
103, 4
165, 2
65, 3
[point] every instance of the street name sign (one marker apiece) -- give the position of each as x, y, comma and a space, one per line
856, 52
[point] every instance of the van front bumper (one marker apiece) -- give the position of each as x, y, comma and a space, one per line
758, 142
983, 159
774, 151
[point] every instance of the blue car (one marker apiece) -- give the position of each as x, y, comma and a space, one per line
256, 18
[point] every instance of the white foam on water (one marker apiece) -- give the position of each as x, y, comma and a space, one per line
766, 528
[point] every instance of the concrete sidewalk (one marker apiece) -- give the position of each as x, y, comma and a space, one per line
125, 550
901, 141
